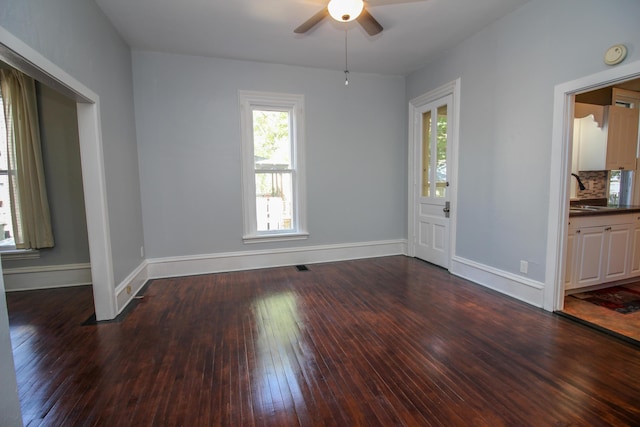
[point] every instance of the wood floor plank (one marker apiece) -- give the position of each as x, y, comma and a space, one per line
378, 342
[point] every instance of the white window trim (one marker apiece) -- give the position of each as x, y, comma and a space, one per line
295, 104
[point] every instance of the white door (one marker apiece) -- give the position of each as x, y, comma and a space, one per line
432, 174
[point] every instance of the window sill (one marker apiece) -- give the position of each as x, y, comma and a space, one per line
19, 254
266, 238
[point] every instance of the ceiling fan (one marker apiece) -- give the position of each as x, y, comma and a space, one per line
349, 10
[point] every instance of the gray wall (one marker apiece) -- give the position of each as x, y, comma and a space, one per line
63, 175
508, 72
76, 36
188, 129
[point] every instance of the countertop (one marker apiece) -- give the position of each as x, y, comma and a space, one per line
589, 210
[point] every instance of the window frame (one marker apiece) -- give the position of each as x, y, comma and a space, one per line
294, 104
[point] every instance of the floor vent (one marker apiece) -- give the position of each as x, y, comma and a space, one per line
302, 267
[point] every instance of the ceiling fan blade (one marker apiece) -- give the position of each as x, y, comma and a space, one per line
369, 23
389, 2
312, 22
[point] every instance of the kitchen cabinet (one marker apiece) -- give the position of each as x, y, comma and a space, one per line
589, 257
570, 259
599, 250
617, 244
635, 248
606, 137
622, 137
589, 137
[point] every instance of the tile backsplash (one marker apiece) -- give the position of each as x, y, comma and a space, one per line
596, 183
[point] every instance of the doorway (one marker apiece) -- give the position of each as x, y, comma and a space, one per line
433, 130
603, 288
20, 56
561, 182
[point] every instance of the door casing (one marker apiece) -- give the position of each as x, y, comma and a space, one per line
451, 88
22, 57
561, 149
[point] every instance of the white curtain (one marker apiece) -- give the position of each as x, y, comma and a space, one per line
29, 204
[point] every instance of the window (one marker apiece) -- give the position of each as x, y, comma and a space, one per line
620, 188
6, 224
272, 166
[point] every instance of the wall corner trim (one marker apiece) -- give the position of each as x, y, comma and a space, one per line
132, 283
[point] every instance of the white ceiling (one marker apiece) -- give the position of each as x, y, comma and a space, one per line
415, 31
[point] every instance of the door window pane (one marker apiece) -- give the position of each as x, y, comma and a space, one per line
441, 147
426, 154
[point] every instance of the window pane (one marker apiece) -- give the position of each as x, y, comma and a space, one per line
441, 147
426, 153
620, 182
274, 195
271, 139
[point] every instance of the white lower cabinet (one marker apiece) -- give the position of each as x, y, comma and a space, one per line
617, 250
635, 247
602, 249
590, 256
572, 250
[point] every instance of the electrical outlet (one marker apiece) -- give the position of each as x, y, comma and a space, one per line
129, 290
524, 266
141, 251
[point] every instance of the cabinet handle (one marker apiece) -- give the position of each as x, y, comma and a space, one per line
607, 229
577, 231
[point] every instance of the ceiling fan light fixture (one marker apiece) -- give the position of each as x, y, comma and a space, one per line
345, 10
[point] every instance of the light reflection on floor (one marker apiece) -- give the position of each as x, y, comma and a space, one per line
276, 386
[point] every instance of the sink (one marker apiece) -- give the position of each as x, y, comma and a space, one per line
588, 208
582, 209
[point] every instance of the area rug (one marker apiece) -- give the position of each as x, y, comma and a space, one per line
617, 298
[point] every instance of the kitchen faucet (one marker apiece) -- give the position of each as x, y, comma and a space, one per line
580, 184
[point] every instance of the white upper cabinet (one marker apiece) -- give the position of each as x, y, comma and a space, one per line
590, 140
622, 137
605, 137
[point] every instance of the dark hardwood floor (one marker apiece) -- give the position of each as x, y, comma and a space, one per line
386, 341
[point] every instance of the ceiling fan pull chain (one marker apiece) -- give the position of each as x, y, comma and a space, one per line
346, 65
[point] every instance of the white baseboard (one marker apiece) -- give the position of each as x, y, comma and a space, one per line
130, 286
249, 260
46, 277
30, 278
529, 291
